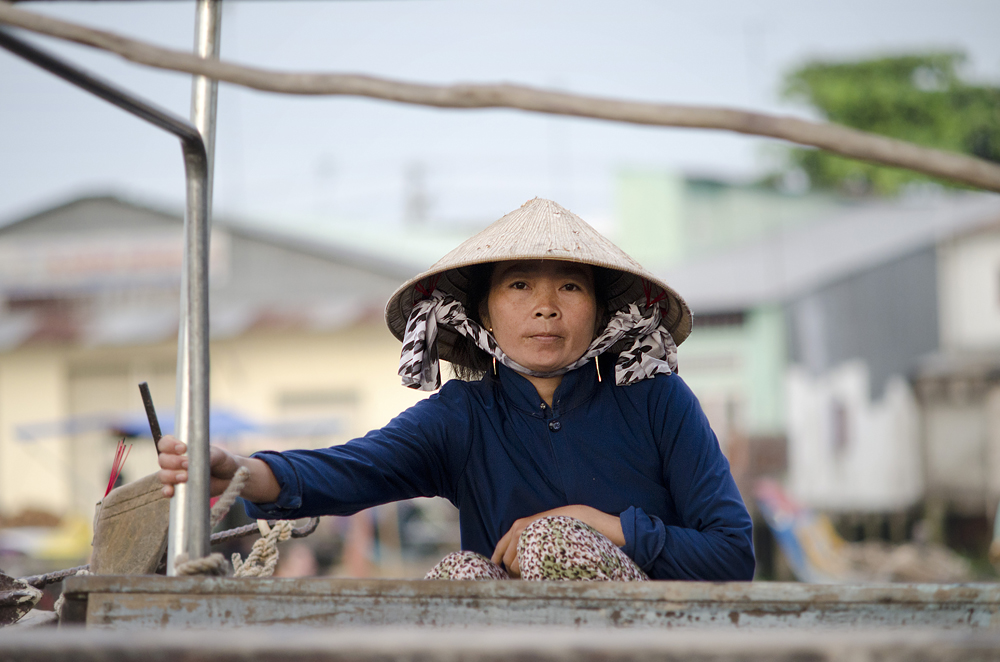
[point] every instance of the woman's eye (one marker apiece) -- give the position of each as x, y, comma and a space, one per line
518, 285
573, 287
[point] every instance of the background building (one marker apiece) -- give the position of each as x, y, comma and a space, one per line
874, 361
300, 354
958, 384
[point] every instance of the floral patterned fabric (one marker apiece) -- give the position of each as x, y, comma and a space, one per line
551, 549
467, 565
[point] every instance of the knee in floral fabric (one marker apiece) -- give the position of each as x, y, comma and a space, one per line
466, 565
562, 548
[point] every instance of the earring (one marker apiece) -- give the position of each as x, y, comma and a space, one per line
495, 366
598, 366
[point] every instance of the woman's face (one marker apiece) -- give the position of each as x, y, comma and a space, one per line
543, 312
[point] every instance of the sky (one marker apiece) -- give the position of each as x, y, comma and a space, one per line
296, 162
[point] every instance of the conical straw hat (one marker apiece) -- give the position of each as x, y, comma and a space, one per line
540, 229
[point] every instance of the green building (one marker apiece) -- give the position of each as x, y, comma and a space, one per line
735, 359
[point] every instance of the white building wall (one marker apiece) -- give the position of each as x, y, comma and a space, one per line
33, 474
846, 452
993, 445
969, 291
349, 375
957, 453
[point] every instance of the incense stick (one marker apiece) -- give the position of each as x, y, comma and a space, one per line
154, 422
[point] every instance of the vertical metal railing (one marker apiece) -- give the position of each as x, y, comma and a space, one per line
189, 524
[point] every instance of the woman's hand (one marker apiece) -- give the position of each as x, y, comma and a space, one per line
262, 487
506, 550
174, 465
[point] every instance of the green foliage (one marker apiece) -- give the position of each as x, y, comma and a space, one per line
919, 98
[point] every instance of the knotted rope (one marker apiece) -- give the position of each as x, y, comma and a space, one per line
214, 565
263, 558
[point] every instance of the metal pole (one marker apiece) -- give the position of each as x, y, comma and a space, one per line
189, 509
159, 117
192, 364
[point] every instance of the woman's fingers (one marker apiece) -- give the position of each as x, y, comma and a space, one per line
506, 550
514, 569
171, 445
501, 548
173, 462
169, 478
173, 465
510, 554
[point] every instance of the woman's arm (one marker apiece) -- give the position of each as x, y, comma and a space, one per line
419, 453
713, 539
261, 487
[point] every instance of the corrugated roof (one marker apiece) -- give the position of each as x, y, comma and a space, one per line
794, 260
264, 279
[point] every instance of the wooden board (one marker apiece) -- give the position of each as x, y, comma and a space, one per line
130, 535
503, 645
174, 602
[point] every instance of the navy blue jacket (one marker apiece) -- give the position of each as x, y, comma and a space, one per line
497, 452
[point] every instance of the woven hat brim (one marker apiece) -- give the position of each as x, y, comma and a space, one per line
539, 230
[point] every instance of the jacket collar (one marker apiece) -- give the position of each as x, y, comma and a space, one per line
576, 388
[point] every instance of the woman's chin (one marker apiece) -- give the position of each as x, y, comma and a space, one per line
544, 366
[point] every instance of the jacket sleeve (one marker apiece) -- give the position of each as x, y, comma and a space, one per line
419, 453
713, 539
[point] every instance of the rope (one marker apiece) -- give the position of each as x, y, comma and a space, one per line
215, 563
58, 607
263, 558
229, 496
41, 581
831, 137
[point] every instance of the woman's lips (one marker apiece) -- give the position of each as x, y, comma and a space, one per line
543, 337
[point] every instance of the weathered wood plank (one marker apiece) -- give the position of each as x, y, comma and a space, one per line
154, 602
496, 645
130, 535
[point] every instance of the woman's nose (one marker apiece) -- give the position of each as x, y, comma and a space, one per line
545, 306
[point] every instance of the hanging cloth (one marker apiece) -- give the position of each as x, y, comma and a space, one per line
652, 352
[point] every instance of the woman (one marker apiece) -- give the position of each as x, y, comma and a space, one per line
571, 448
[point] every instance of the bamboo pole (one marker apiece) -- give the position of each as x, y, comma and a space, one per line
831, 137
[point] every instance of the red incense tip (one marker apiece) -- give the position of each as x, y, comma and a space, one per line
121, 454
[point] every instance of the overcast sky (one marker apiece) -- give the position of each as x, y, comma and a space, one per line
289, 160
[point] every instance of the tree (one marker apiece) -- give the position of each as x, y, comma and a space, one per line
919, 98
